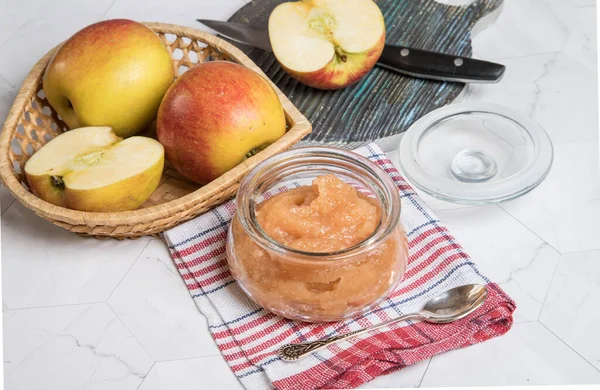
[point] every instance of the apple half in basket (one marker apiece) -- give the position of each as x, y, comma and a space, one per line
327, 44
92, 169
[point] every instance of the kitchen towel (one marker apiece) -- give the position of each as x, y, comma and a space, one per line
249, 336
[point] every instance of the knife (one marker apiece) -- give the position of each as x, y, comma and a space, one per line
402, 59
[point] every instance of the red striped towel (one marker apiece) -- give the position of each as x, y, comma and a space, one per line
249, 336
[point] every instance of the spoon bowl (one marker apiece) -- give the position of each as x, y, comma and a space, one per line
449, 306
454, 304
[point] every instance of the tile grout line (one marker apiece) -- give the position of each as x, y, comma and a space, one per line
580, 251
117, 315
189, 358
458, 207
7, 82
16, 91
425, 372
109, 7
144, 379
549, 287
568, 346
568, 31
528, 228
13, 34
543, 240
517, 57
524, 322
169, 360
52, 306
129, 269
593, 137
132, 335
8, 207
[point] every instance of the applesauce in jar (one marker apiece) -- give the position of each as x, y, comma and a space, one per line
326, 244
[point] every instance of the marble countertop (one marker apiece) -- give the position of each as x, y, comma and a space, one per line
98, 314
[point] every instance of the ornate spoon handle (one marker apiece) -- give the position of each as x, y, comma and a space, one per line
290, 352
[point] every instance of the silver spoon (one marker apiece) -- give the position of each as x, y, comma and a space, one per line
449, 306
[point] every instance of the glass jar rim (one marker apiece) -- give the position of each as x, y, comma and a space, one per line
386, 193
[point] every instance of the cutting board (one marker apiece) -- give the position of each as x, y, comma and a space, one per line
383, 104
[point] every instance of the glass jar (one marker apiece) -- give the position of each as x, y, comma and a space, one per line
317, 286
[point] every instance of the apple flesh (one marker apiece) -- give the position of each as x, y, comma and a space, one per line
214, 116
92, 169
112, 73
327, 44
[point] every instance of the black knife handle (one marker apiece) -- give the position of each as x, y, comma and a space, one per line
437, 66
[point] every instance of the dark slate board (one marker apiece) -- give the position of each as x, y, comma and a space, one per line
384, 103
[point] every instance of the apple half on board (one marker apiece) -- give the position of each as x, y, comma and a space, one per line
327, 44
92, 169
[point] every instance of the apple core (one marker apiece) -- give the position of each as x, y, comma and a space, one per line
92, 169
327, 44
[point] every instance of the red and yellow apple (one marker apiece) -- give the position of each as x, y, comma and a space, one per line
112, 73
327, 44
214, 116
92, 169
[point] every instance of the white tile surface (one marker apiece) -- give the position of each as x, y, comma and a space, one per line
182, 12
6, 198
525, 27
45, 265
571, 309
527, 355
154, 304
9, 24
71, 347
35, 38
408, 377
577, 18
16, 13
565, 208
584, 3
557, 90
7, 96
200, 373
507, 253
549, 47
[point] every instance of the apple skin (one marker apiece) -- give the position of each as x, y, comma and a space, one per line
42, 187
111, 73
128, 194
319, 19
339, 74
72, 154
214, 115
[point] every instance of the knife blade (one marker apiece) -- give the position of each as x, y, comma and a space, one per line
406, 60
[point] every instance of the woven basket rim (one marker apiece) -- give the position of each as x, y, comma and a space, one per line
149, 214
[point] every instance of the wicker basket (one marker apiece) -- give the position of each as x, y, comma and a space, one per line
31, 123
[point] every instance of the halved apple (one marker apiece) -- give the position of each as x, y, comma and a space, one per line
327, 44
92, 169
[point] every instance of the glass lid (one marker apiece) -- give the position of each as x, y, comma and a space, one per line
475, 153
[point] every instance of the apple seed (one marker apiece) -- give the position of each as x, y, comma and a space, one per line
252, 152
57, 181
